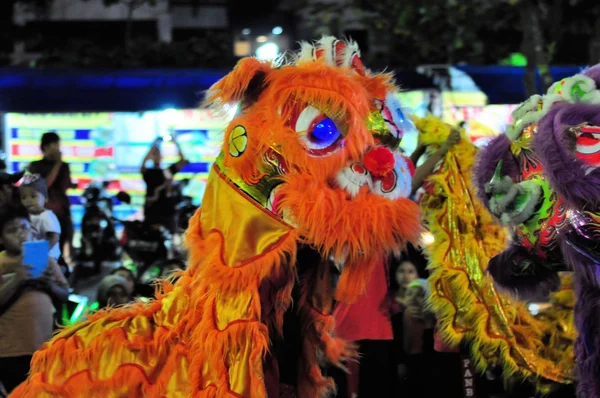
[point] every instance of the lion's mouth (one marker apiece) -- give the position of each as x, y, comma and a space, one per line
587, 146
393, 184
512, 203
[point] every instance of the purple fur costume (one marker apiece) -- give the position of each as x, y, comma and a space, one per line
577, 234
580, 187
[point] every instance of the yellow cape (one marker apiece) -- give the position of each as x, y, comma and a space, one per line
468, 306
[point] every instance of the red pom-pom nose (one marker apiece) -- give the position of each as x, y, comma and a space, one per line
379, 161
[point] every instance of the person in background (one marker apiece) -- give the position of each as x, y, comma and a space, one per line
418, 339
128, 275
9, 194
58, 178
44, 224
159, 208
406, 269
26, 305
137, 289
405, 274
114, 290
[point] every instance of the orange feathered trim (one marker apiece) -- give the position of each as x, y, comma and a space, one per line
232, 88
172, 346
364, 228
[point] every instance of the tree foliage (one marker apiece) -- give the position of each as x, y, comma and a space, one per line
213, 50
8, 31
434, 31
475, 31
131, 5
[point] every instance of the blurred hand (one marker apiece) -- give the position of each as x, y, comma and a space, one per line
401, 302
47, 275
453, 139
23, 273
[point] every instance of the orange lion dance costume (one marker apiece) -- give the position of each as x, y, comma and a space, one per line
311, 160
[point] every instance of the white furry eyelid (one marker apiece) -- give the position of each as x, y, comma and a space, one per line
305, 118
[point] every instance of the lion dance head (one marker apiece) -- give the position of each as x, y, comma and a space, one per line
316, 144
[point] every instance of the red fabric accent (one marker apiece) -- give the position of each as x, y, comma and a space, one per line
379, 161
340, 47
410, 165
369, 317
357, 65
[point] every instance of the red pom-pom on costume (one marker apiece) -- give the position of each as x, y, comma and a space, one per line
379, 161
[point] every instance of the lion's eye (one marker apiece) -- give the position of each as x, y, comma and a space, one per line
318, 132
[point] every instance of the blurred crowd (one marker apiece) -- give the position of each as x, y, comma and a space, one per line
37, 256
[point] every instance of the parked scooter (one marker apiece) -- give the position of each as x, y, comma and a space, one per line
99, 241
185, 207
150, 247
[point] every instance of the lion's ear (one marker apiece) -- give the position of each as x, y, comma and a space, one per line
243, 84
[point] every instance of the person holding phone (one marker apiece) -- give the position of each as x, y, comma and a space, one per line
26, 304
160, 205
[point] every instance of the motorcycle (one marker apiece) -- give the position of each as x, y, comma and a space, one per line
150, 247
99, 241
185, 208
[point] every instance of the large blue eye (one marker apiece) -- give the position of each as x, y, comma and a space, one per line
318, 132
324, 133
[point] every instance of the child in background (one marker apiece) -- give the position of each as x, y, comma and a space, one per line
114, 290
26, 305
409, 267
128, 275
44, 224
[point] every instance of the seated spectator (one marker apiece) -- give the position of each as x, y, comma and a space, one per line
26, 305
138, 289
114, 290
127, 274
